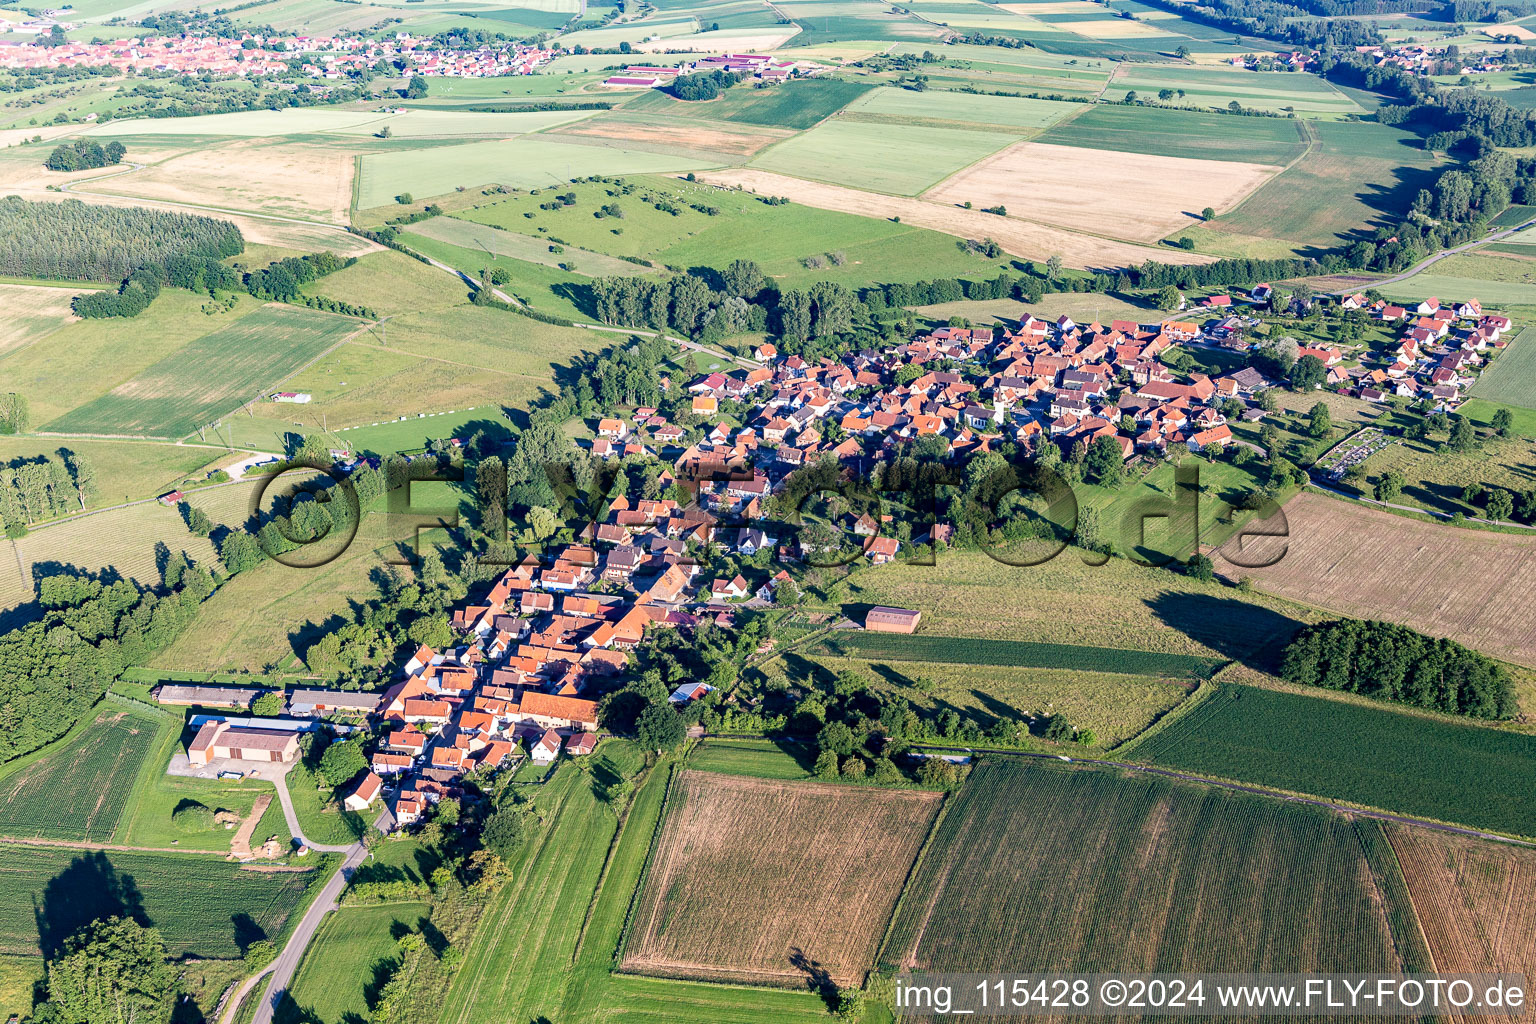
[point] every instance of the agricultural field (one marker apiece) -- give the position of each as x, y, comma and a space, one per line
32, 313
1017, 236
390, 283
815, 894
524, 162
121, 538
1119, 604
1359, 753
1066, 186
676, 134
1354, 175
203, 905
759, 758
1278, 91
899, 159
1475, 900
1511, 378
212, 376
926, 647
1183, 133
1464, 584
277, 175
895, 106
103, 354
75, 789
339, 970
1037, 868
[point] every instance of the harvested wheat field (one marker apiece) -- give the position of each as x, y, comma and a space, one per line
1353, 560
760, 881
1017, 237
276, 176
658, 133
1475, 900
1126, 195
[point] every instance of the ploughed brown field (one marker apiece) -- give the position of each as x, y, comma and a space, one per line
1470, 586
769, 882
1475, 900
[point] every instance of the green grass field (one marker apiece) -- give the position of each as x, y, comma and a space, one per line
1046, 868
339, 970
125, 470
784, 237
525, 162
760, 758
1357, 175
896, 158
1186, 133
211, 376
1064, 601
1012, 653
1217, 87
526, 248
202, 905
77, 789
963, 108
1365, 755
85, 359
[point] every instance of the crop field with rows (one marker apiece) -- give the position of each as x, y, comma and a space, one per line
1411, 763
754, 880
1038, 868
203, 905
77, 790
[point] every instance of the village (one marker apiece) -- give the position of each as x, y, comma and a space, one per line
533, 655
258, 56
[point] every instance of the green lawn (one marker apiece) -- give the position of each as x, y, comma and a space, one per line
341, 968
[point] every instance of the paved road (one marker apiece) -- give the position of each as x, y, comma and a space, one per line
1437, 257
280, 781
287, 961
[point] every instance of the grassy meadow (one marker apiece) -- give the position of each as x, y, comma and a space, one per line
211, 376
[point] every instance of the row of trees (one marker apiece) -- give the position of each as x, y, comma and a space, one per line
280, 281
43, 487
1392, 662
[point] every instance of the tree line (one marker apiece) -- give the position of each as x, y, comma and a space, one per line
43, 487
1391, 662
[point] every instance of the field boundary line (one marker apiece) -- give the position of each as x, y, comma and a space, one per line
1365, 811
901, 897
1387, 874
1197, 697
645, 869
602, 877
82, 844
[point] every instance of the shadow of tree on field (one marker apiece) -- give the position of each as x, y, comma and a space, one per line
1240, 630
90, 888
816, 977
